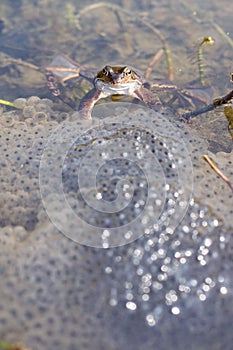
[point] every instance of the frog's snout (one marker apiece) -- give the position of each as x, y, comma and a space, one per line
116, 79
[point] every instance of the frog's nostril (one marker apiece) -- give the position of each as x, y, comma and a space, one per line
115, 80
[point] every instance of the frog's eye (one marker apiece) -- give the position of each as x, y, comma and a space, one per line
105, 71
128, 72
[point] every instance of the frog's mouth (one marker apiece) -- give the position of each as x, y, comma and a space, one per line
116, 86
110, 88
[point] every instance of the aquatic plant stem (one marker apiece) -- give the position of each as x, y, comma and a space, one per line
218, 171
152, 63
206, 40
10, 104
218, 28
216, 103
115, 8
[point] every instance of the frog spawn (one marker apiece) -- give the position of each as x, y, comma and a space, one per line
210, 189
166, 275
22, 137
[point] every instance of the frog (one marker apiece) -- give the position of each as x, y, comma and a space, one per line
110, 81
119, 80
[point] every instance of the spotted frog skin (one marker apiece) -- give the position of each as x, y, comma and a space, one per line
117, 80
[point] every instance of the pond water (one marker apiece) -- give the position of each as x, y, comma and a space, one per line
115, 235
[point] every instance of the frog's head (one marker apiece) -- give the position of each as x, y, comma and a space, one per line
117, 80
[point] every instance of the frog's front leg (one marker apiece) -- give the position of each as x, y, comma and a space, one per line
52, 84
87, 103
150, 99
